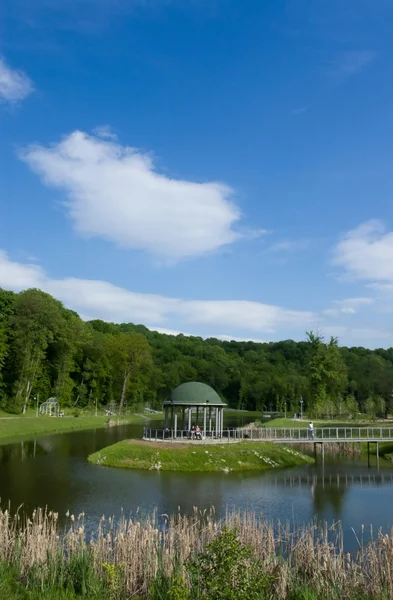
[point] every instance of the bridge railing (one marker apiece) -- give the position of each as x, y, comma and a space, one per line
290, 435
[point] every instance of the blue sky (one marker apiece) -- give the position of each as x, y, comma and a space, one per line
214, 167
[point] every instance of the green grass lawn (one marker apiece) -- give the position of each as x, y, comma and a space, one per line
27, 426
255, 414
165, 456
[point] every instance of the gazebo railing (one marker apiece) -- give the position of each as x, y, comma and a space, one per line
170, 434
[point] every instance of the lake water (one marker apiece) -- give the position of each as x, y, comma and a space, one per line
53, 471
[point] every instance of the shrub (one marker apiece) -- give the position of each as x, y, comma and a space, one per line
178, 590
228, 570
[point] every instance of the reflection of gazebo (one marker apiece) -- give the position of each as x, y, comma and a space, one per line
195, 401
50, 408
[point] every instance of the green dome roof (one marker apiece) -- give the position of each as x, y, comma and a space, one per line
194, 393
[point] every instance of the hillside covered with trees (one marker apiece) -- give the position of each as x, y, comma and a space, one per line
47, 350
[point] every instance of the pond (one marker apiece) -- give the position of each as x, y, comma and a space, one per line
53, 471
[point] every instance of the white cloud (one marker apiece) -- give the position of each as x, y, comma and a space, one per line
19, 276
100, 299
14, 85
116, 193
367, 252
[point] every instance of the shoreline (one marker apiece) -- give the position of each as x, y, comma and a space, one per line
24, 428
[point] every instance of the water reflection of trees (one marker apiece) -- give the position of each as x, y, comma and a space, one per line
329, 488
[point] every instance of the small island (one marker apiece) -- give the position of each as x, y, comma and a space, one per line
223, 457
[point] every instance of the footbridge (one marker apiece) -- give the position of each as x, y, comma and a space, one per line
320, 434
295, 435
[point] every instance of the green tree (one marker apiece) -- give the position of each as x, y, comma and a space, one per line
36, 321
70, 340
327, 373
130, 353
370, 407
350, 406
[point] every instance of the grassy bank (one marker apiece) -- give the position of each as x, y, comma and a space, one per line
296, 423
385, 450
28, 426
244, 456
245, 414
195, 557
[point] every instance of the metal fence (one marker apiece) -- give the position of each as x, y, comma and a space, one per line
284, 435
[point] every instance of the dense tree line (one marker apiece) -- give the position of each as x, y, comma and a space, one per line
47, 350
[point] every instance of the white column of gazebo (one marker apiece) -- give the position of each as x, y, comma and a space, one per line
212, 421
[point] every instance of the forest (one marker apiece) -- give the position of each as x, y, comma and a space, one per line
47, 350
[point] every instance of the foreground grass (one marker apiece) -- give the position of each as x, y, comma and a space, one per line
179, 557
15, 586
243, 456
30, 426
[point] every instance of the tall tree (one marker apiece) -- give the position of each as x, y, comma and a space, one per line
130, 353
36, 321
327, 373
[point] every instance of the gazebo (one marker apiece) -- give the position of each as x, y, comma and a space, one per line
50, 408
194, 402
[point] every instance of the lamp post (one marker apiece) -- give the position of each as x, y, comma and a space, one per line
285, 410
37, 397
301, 407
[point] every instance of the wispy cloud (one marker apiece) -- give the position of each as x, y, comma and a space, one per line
101, 299
300, 110
350, 63
363, 336
14, 85
348, 306
284, 246
239, 319
105, 132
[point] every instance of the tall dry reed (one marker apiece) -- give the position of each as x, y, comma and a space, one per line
142, 549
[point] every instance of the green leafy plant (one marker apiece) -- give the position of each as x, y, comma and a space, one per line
178, 589
228, 570
114, 579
